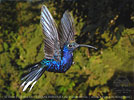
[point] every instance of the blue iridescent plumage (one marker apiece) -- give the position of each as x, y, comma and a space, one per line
59, 66
59, 47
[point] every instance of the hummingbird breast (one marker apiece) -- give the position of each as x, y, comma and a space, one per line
59, 66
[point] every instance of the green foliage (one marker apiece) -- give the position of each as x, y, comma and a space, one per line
21, 46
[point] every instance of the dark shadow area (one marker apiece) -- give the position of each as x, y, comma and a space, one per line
99, 16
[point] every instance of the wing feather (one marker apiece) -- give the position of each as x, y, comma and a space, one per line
52, 44
66, 29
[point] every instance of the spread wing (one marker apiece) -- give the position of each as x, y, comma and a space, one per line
66, 29
52, 44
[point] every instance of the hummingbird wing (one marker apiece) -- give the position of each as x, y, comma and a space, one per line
52, 44
66, 29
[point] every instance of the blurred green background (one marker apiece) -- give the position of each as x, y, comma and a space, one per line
96, 74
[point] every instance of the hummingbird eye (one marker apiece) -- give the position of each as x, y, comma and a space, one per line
69, 45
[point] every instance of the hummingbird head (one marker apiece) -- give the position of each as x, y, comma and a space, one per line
72, 45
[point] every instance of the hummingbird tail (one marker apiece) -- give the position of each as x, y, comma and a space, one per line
31, 78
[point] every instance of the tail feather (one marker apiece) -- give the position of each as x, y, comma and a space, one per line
30, 74
32, 77
32, 85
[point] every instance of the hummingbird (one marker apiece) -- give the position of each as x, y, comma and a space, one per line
59, 44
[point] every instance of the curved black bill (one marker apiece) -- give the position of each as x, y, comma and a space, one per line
89, 46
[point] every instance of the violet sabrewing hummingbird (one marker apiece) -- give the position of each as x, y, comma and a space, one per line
59, 46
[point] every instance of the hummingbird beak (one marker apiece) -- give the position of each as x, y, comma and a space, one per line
83, 45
